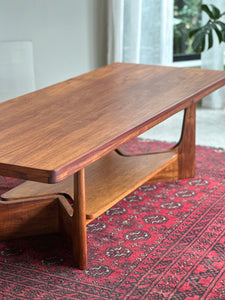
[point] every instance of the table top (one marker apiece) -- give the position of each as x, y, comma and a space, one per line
51, 133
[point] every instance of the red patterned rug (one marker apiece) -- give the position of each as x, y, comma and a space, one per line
164, 241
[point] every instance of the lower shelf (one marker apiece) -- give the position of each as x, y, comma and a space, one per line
108, 180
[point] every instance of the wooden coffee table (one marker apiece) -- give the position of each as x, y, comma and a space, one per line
64, 140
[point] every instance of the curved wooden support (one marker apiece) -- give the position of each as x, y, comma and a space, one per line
28, 217
184, 166
121, 152
186, 146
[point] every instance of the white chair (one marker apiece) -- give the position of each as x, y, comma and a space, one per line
16, 69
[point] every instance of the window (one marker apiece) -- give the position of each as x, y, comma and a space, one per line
187, 15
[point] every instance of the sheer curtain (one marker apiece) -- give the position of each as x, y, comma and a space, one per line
214, 59
140, 31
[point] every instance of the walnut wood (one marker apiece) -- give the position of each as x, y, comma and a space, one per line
28, 217
52, 133
184, 166
108, 180
48, 135
120, 176
32, 189
79, 241
65, 219
186, 147
169, 173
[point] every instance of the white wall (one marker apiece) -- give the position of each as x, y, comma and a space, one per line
68, 37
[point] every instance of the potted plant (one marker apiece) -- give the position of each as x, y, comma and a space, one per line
204, 33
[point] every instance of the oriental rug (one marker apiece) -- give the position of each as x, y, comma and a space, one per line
163, 241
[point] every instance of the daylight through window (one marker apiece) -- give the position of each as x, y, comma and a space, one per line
187, 16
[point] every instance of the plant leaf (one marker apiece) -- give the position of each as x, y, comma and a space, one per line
210, 39
193, 32
223, 36
216, 12
221, 24
198, 44
218, 32
206, 9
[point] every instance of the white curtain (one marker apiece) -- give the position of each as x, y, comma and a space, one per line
140, 31
214, 59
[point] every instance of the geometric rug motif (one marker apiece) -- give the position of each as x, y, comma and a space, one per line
163, 241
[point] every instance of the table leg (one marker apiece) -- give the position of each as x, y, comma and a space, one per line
79, 235
186, 145
25, 217
184, 165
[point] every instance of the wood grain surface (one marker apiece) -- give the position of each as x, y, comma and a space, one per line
50, 134
27, 217
108, 180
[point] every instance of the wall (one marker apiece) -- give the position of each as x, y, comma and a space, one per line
68, 37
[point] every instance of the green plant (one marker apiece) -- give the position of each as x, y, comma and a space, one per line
204, 34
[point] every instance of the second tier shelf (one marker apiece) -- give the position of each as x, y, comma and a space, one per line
108, 180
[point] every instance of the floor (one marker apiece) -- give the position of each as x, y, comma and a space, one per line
210, 128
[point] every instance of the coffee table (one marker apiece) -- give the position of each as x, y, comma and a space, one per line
64, 140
